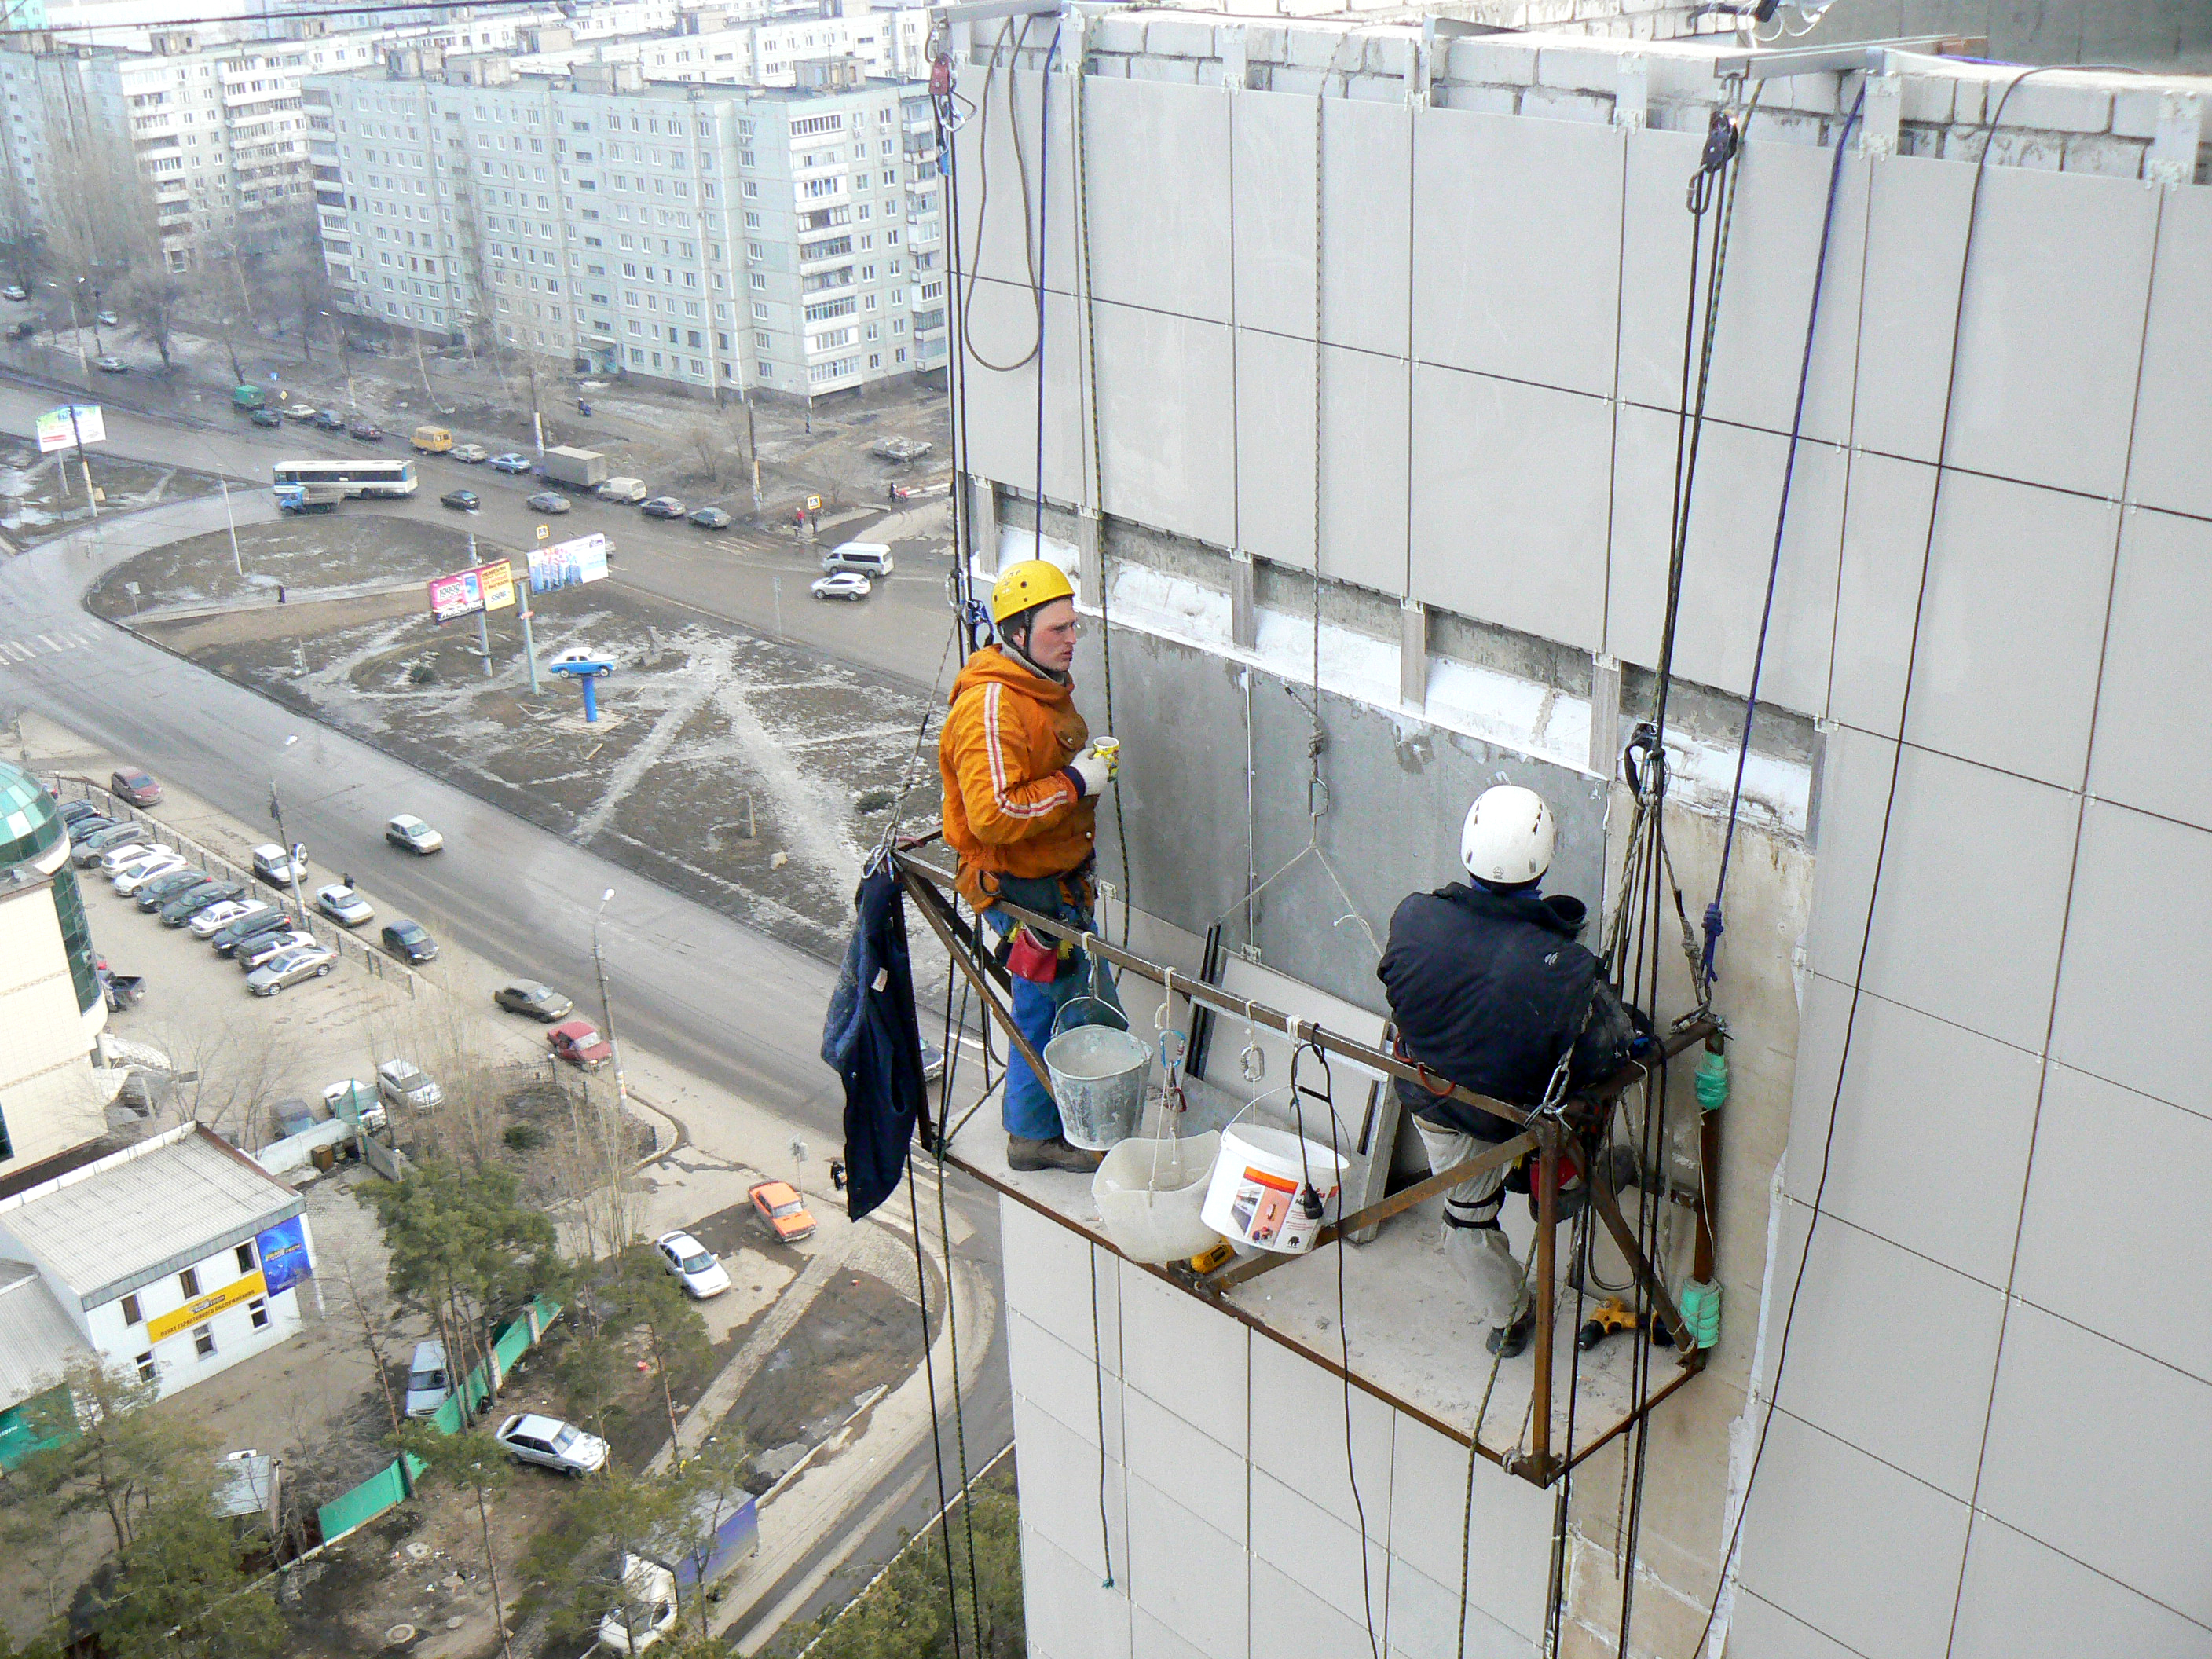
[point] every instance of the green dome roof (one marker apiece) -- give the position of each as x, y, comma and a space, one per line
29, 825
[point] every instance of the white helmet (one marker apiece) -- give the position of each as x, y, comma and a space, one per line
1508, 837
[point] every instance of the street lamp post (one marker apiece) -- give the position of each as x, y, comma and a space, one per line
235, 560
291, 853
607, 1002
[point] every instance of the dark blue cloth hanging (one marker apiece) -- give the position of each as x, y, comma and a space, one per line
873, 1040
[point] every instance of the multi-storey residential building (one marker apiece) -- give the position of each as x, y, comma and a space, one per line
715, 237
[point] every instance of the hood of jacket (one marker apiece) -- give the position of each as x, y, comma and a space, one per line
992, 664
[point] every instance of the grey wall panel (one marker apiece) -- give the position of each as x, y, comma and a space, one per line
1274, 159
2054, 328
1275, 447
2138, 957
1516, 248
1766, 288
1731, 545
2012, 629
2173, 415
1166, 439
996, 187
2158, 678
1159, 156
1002, 410
1973, 888
2021, 1597
1363, 462
1915, 228
1367, 201
1510, 496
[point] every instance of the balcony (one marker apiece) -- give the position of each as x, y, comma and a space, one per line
818, 256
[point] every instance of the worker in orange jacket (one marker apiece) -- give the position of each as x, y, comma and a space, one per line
1021, 781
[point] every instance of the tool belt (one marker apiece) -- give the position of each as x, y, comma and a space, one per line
1026, 952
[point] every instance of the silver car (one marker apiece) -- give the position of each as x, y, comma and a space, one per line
552, 1445
289, 968
343, 905
404, 1083
132, 876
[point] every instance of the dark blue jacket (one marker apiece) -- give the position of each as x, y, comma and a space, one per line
1487, 990
873, 1040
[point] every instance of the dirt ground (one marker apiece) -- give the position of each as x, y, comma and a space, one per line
743, 772
43, 495
311, 558
861, 1335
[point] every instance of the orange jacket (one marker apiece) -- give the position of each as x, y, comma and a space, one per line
1011, 808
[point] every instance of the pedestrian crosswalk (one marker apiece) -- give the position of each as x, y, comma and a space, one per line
30, 647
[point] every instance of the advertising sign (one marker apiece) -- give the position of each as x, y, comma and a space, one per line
202, 1309
283, 1252
55, 431
568, 564
486, 588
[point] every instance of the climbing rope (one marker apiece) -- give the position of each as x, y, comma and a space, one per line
936, 1438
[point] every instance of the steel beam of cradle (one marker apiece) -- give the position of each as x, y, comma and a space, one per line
932, 905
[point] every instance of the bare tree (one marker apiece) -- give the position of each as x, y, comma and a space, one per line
372, 1311
227, 1071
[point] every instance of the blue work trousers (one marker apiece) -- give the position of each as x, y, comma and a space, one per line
1026, 1107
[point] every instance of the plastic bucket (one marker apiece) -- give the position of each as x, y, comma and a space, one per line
1253, 1199
1098, 1074
1149, 1192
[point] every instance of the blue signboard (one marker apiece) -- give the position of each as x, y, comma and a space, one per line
284, 1253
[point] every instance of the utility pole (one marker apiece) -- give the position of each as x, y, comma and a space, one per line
752, 452
483, 612
77, 432
291, 853
537, 420
237, 562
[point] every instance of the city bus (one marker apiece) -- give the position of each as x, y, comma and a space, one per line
370, 475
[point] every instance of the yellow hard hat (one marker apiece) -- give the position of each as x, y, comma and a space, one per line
1026, 586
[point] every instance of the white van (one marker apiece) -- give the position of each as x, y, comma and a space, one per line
427, 1383
628, 490
868, 558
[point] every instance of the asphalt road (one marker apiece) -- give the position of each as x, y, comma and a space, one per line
733, 1007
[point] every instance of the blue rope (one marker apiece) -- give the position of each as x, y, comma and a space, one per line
1715, 922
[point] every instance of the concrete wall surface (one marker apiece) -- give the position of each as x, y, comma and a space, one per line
1336, 300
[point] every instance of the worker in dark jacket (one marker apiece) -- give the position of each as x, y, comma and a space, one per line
1488, 988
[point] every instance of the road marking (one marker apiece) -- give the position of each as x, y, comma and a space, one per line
16, 651
48, 643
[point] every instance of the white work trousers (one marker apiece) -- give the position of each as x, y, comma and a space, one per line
1474, 1241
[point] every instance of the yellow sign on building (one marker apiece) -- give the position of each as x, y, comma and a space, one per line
201, 1308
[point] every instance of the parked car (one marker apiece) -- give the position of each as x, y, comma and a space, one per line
342, 904
351, 1096
331, 421
844, 584
404, 1083
91, 825
153, 895
410, 941
510, 462
710, 517
132, 878
116, 859
644, 1609
258, 950
93, 848
266, 417
552, 1445
662, 507
271, 921
106, 319
216, 917
136, 787
276, 865
461, 501
367, 431
298, 412
289, 968
579, 1042
527, 996
549, 500
410, 832
22, 330
71, 811
189, 903
427, 1384
14, 291
470, 453
627, 491
110, 364
693, 1263
781, 1207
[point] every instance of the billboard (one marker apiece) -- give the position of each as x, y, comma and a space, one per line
283, 1252
204, 1308
463, 593
56, 432
568, 564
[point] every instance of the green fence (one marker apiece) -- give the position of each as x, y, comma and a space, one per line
394, 1483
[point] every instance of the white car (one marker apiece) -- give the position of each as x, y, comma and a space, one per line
289, 968
258, 951
352, 1094
693, 1263
132, 876
644, 1609
584, 653
404, 1083
841, 585
217, 916
552, 1445
343, 905
116, 859
410, 832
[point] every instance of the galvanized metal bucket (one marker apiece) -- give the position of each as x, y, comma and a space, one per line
1098, 1075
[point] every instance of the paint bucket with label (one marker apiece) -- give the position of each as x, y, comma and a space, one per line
1256, 1199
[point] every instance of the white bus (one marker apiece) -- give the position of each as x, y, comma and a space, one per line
370, 475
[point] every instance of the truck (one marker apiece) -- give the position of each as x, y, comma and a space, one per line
309, 498
578, 469
247, 398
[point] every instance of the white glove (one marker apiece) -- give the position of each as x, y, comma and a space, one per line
1096, 771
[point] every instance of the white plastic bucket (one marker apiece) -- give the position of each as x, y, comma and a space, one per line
1149, 1192
1253, 1199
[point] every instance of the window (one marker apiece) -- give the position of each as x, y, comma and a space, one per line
761, 342
189, 1282
246, 1262
259, 1310
145, 1363
760, 279
204, 1341
760, 312
131, 1313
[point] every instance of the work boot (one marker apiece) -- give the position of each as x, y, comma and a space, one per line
1027, 1155
1507, 1340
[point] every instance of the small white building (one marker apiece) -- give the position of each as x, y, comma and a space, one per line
176, 1257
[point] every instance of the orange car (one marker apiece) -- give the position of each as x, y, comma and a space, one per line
783, 1209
